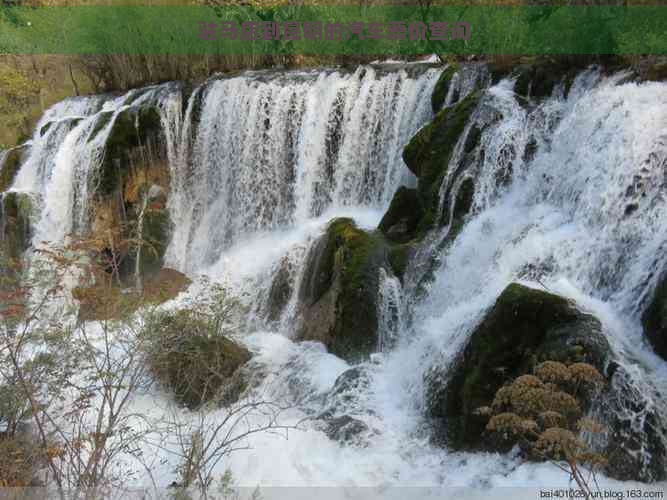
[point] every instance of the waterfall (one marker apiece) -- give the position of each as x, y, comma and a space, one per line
266, 151
390, 311
569, 195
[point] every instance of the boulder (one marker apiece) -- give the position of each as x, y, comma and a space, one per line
188, 356
524, 327
344, 403
339, 290
281, 290
347, 430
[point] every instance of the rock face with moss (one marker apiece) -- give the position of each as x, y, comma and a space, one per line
15, 223
130, 204
281, 290
339, 290
442, 87
654, 319
429, 152
400, 221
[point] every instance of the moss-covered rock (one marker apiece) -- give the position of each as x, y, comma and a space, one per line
132, 132
9, 166
339, 290
430, 150
524, 327
401, 220
192, 359
15, 223
654, 319
441, 88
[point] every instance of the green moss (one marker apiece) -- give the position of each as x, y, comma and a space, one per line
151, 243
462, 205
430, 150
442, 87
523, 327
156, 228
10, 167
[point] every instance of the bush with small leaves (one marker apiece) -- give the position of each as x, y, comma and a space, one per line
542, 413
187, 354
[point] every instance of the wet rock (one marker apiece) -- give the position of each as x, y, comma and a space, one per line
346, 430
15, 223
281, 290
348, 387
634, 448
339, 290
654, 318
524, 327
442, 87
344, 403
9, 166
399, 223
430, 150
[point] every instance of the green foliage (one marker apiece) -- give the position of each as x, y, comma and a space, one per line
16, 88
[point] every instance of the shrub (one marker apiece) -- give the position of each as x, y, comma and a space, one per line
188, 354
542, 413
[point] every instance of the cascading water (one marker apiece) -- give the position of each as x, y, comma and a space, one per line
271, 152
66, 150
568, 195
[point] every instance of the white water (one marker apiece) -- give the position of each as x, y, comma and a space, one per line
271, 152
255, 180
